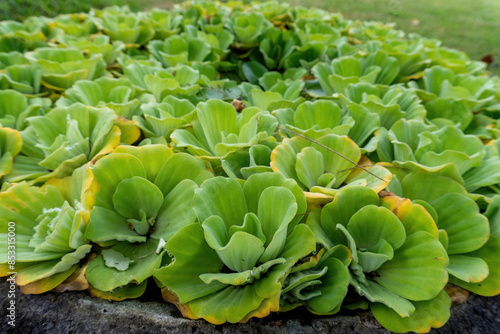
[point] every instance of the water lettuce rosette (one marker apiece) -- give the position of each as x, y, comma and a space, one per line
397, 258
95, 44
165, 23
243, 163
77, 25
23, 78
139, 198
321, 117
265, 96
230, 266
389, 103
217, 129
181, 81
314, 31
20, 36
11, 58
276, 46
127, 27
179, 49
430, 146
65, 139
248, 27
15, 108
320, 282
49, 225
119, 95
280, 91
470, 238
321, 172
456, 97
62, 67
161, 119
484, 180
375, 68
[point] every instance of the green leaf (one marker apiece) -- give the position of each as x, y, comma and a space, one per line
228, 305
459, 216
129, 291
321, 114
428, 314
46, 269
333, 288
222, 197
229, 248
309, 166
490, 285
493, 215
135, 196
242, 278
142, 260
181, 166
277, 207
216, 117
106, 225
376, 293
468, 269
109, 171
349, 201
371, 224
429, 186
418, 269
257, 183
414, 216
152, 157
366, 123
253, 71
176, 211
182, 276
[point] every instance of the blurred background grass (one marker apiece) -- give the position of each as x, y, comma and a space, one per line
472, 26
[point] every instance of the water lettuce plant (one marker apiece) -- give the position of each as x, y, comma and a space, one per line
397, 257
117, 94
322, 117
133, 213
375, 68
325, 165
217, 129
470, 238
16, 108
415, 141
77, 25
241, 159
262, 214
179, 50
127, 27
64, 139
161, 119
95, 44
248, 27
26, 79
49, 225
61, 68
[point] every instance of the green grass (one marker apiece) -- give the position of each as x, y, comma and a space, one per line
472, 26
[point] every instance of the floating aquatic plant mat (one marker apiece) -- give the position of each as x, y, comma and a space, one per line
248, 159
